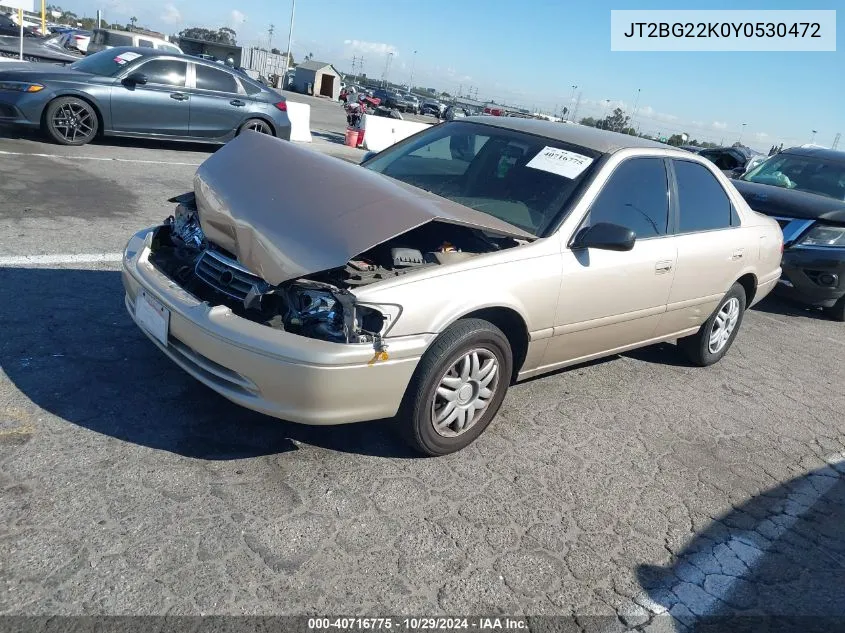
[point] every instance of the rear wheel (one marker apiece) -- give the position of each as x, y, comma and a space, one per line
837, 310
457, 388
714, 339
257, 125
70, 121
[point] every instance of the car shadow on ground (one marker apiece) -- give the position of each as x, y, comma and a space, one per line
77, 355
12, 132
774, 563
332, 137
779, 305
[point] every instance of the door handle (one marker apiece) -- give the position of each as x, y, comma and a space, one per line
738, 253
238, 103
663, 267
179, 96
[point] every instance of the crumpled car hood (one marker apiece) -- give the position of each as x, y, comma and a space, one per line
286, 211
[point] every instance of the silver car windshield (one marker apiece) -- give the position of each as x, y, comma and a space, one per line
523, 179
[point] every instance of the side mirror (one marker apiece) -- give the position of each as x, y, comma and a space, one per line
135, 79
368, 156
606, 236
737, 172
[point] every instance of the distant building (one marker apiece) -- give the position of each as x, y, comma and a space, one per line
318, 79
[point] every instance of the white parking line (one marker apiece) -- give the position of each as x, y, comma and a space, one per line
68, 258
101, 158
723, 565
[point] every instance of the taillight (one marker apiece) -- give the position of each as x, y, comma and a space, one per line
282, 105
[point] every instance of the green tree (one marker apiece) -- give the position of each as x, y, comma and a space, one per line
132, 21
590, 121
616, 121
223, 35
675, 140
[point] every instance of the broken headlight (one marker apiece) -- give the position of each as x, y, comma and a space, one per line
186, 226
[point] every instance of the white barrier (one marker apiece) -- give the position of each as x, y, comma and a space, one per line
381, 132
300, 121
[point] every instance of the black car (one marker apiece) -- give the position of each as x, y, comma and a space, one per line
139, 92
804, 190
8, 27
390, 99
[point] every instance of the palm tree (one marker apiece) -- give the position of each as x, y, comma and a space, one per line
133, 20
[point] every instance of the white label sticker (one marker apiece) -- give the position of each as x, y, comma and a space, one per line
125, 58
560, 162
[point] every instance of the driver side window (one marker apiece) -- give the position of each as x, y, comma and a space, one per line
635, 196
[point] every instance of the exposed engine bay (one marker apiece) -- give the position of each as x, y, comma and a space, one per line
321, 305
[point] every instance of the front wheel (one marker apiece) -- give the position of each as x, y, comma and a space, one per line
457, 388
70, 121
257, 125
714, 339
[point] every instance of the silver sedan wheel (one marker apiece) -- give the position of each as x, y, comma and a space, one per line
723, 325
464, 392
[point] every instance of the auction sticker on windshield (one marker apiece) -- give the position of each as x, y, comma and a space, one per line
152, 316
560, 161
125, 58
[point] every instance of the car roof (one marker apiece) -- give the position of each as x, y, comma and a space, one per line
602, 141
817, 152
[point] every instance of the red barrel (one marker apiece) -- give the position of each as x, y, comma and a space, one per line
351, 137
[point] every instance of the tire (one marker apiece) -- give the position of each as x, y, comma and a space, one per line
257, 125
837, 310
444, 360
70, 121
698, 347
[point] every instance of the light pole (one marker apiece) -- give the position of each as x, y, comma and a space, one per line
572, 96
739, 140
604, 117
813, 137
290, 38
413, 64
636, 105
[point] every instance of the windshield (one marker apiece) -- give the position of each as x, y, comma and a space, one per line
522, 179
106, 63
802, 173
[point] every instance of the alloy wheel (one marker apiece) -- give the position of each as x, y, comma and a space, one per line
258, 126
73, 122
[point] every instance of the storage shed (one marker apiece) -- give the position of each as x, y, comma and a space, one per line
318, 79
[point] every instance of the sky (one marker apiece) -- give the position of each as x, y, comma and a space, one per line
531, 52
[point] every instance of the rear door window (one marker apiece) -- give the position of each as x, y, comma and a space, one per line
145, 43
703, 203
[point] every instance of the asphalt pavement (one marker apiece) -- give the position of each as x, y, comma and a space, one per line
613, 492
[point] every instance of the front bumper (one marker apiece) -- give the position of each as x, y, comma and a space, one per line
812, 275
20, 108
267, 370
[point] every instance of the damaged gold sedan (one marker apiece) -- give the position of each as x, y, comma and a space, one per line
423, 283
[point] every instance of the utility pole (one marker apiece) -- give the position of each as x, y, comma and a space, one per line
290, 39
741, 133
413, 63
636, 105
270, 38
836, 141
575, 110
386, 68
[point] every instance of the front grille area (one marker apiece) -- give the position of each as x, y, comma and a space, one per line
226, 275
